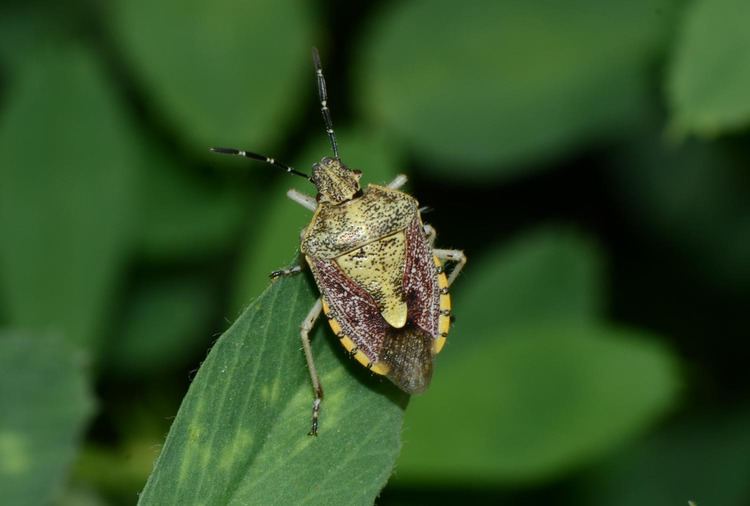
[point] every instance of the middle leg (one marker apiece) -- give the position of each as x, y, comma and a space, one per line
430, 233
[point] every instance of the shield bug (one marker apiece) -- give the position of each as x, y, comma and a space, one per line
382, 284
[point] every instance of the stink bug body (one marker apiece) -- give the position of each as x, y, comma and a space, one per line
382, 284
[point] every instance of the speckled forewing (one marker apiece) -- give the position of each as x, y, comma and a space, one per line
422, 281
378, 267
350, 307
403, 354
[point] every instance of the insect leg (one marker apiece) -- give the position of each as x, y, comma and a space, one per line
398, 182
430, 233
286, 272
452, 255
305, 201
305, 328
289, 271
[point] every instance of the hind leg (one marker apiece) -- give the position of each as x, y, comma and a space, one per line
452, 255
305, 328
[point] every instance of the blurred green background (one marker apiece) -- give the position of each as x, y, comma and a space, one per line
590, 157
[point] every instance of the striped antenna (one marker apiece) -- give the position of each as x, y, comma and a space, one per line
323, 94
262, 158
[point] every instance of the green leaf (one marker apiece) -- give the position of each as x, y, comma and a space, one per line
68, 175
547, 275
164, 325
696, 197
44, 405
709, 79
25, 28
706, 458
229, 72
240, 436
80, 496
186, 214
490, 84
270, 239
536, 404
117, 473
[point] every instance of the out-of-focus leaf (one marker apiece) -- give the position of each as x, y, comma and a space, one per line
705, 459
276, 230
163, 326
44, 404
694, 196
80, 496
488, 84
68, 174
267, 245
242, 428
119, 472
709, 80
25, 27
185, 215
536, 404
229, 71
547, 275
119, 468
542, 385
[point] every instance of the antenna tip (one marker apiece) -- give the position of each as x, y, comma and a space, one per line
316, 56
226, 151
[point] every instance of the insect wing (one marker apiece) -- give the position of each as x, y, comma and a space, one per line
403, 354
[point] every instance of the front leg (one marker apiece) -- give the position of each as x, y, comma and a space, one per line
397, 182
289, 271
305, 328
452, 255
302, 199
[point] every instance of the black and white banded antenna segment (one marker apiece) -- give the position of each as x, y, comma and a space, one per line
262, 158
323, 95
